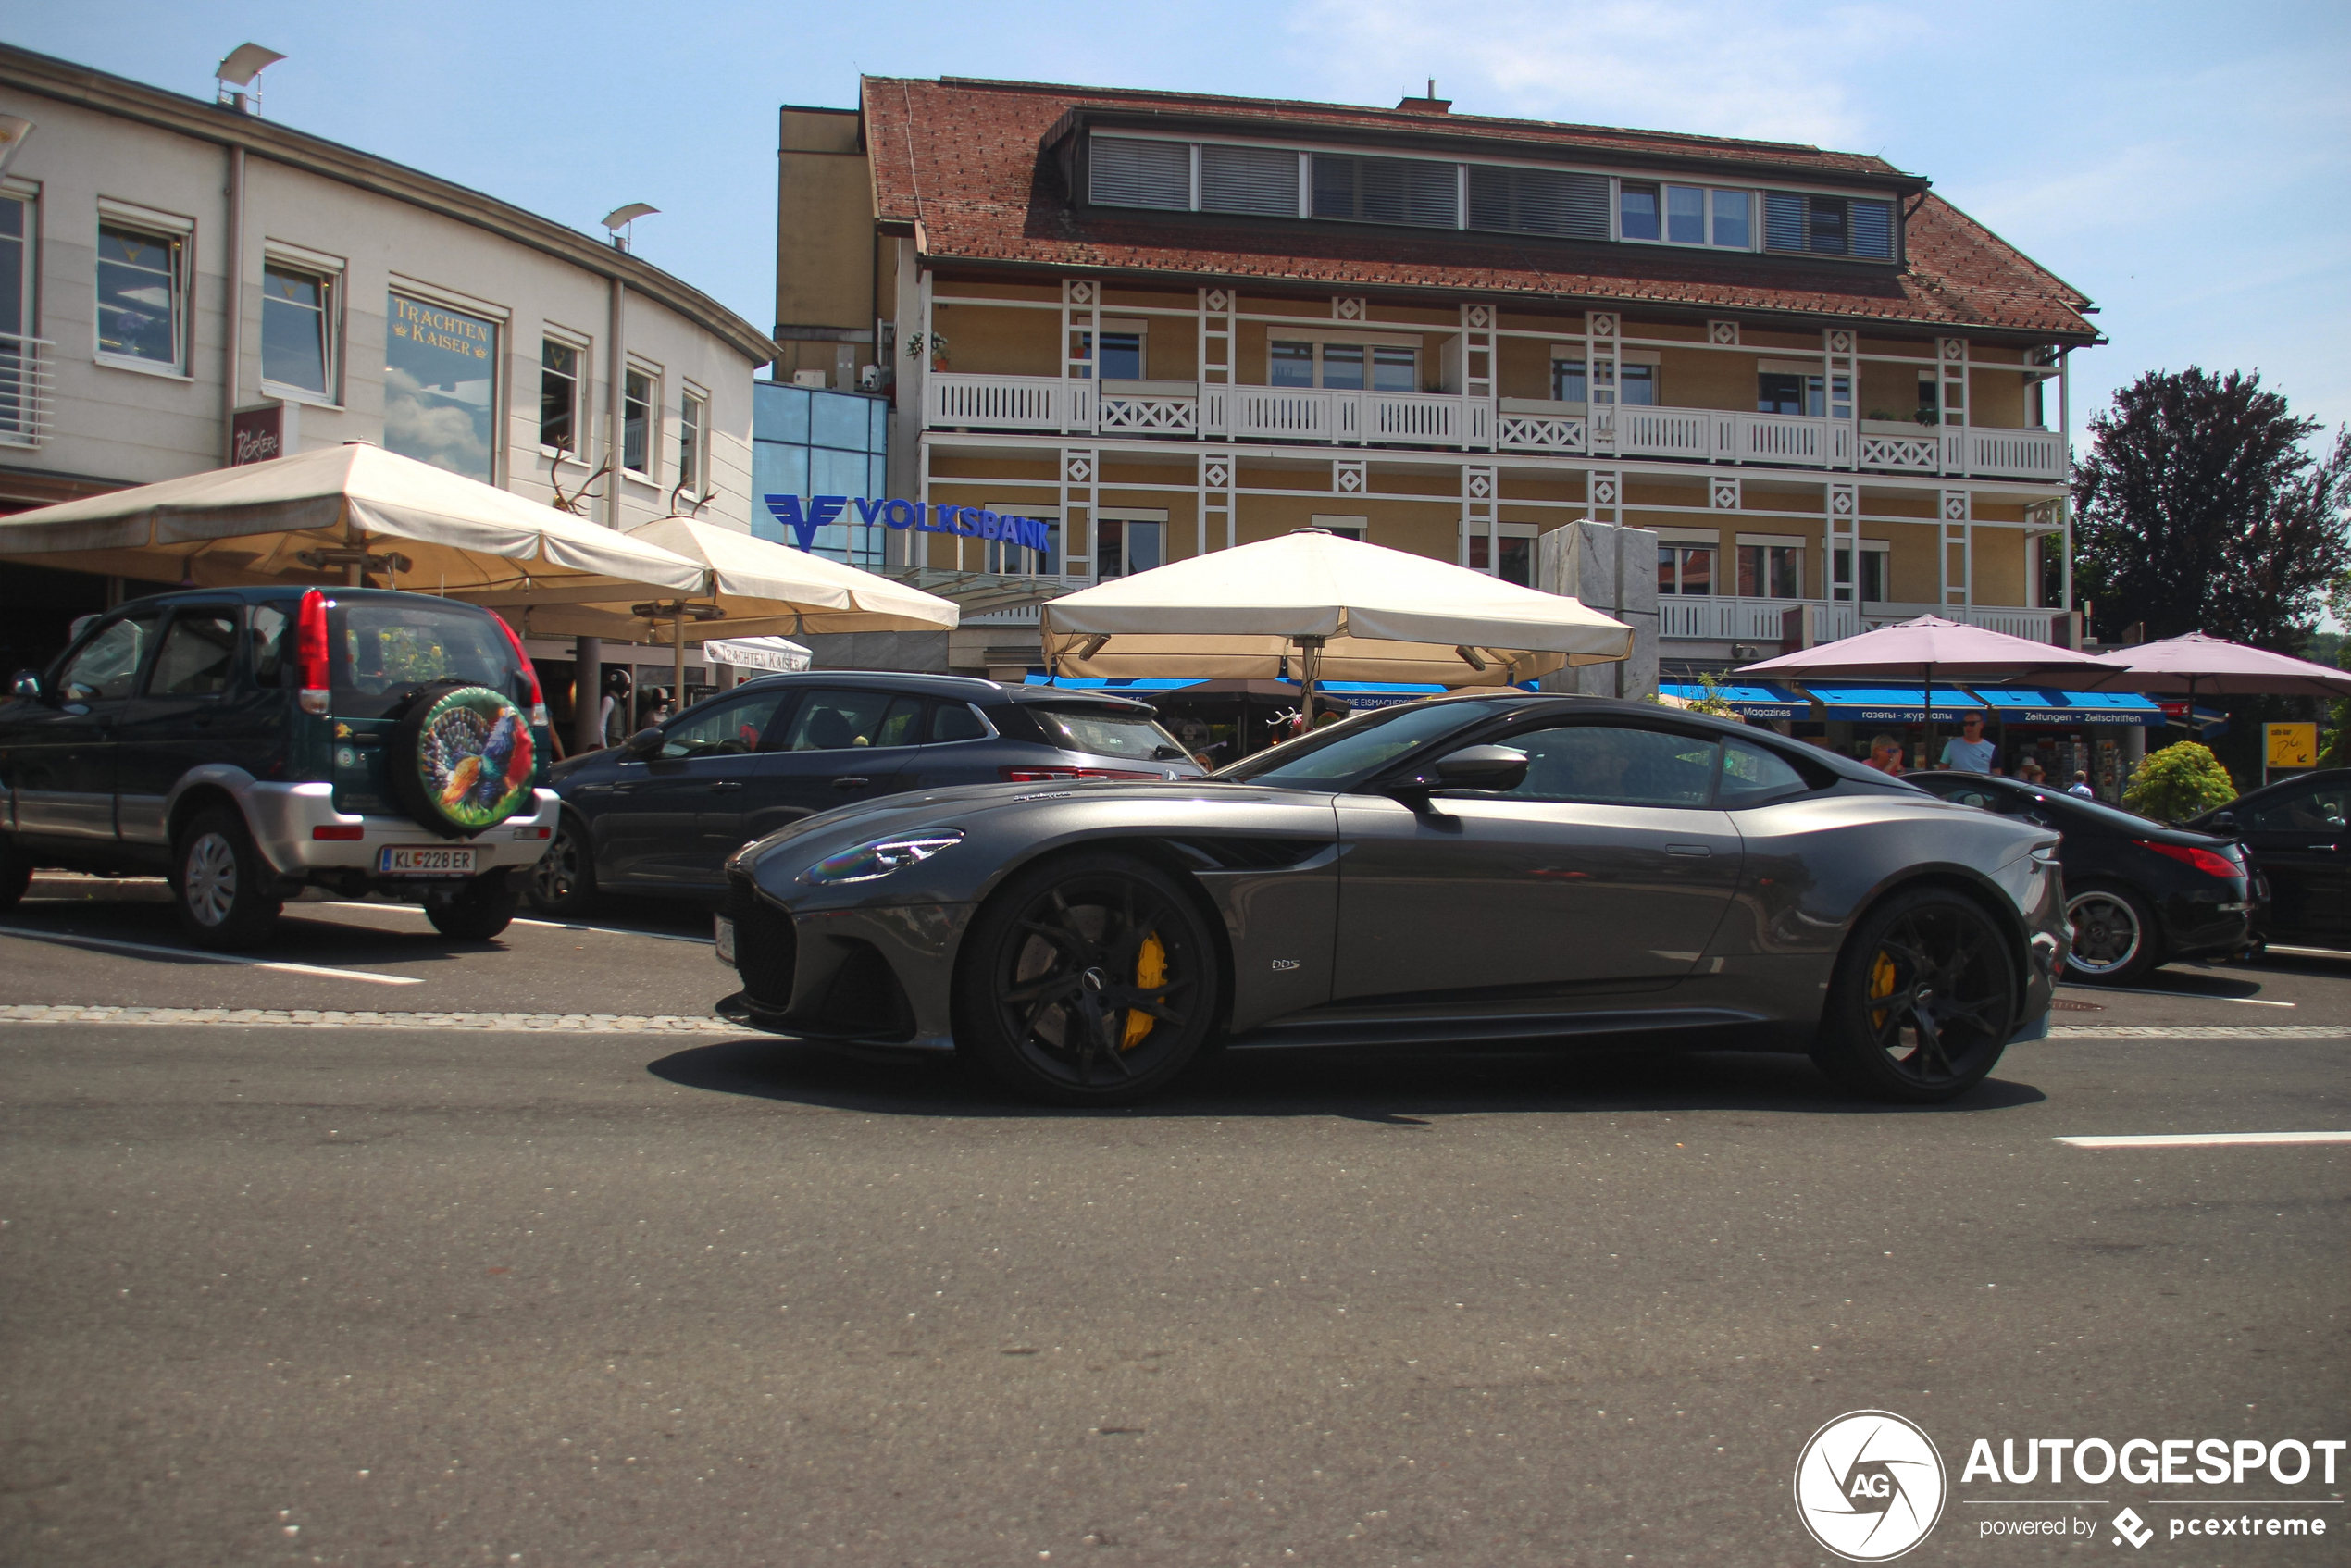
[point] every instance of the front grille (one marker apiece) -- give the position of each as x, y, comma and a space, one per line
766, 948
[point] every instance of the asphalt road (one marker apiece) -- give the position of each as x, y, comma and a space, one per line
582, 1296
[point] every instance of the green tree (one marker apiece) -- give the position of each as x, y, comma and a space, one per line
2177, 782
2200, 508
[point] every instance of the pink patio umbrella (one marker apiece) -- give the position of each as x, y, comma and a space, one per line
2192, 663
1930, 645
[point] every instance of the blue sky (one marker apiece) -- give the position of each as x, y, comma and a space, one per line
2187, 166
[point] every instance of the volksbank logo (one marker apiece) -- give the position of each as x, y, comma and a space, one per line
1870, 1485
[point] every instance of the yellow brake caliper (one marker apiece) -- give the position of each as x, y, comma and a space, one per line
1151, 973
1881, 983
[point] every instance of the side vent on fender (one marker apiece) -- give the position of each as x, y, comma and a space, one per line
1246, 854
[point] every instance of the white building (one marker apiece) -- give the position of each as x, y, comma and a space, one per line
372, 302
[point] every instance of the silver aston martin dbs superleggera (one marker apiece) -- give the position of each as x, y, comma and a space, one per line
1475, 870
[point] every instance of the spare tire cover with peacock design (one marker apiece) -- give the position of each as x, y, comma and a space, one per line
460, 759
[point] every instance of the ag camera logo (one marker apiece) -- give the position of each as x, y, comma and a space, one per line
1870, 1485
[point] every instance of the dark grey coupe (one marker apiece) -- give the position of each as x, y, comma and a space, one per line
1475, 870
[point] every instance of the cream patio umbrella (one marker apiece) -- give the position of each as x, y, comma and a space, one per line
744, 587
344, 512
1347, 610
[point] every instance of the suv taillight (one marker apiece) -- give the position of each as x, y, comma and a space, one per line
310, 654
1046, 775
2211, 865
538, 701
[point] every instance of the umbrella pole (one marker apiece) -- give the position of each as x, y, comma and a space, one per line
1926, 715
678, 661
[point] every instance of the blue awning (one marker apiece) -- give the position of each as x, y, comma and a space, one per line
1364, 695
1890, 704
1757, 700
1098, 683
2033, 704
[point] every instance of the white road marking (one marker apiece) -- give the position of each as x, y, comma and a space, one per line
616, 931
201, 956
2203, 1139
341, 1018
2200, 1031
2173, 996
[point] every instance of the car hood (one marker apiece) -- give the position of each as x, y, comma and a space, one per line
999, 816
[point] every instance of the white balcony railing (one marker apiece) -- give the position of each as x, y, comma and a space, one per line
25, 411
1728, 619
1325, 415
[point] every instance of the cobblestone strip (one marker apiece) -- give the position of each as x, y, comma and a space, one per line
2200, 1031
341, 1018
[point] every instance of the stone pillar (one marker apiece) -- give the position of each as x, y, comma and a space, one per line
1611, 568
587, 694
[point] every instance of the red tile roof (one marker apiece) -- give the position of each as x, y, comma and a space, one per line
966, 161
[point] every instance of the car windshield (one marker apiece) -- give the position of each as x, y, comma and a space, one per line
1359, 746
385, 649
1103, 733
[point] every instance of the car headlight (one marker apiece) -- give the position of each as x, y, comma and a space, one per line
882, 856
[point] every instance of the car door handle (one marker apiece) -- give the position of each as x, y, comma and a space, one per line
1697, 852
850, 783
726, 784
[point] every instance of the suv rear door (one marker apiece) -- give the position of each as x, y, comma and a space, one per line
197, 705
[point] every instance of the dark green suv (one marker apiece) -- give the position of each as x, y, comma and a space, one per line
249, 742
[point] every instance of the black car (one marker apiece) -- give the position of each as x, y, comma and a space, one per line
661, 813
2138, 894
2296, 838
249, 742
1467, 872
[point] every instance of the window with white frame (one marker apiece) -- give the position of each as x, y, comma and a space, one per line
298, 337
639, 404
18, 365
1351, 367
560, 369
1796, 387
142, 295
1413, 191
1684, 215
1875, 554
1685, 566
1352, 527
1568, 382
1539, 201
1121, 357
693, 443
1518, 551
441, 385
1124, 546
1014, 559
1770, 566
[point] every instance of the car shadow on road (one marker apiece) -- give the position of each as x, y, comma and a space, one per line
1394, 1088
144, 918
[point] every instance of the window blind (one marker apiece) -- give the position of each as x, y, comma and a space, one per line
1252, 180
1129, 173
1403, 191
1535, 201
1783, 222
1869, 228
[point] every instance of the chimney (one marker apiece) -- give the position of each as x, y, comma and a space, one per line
1432, 105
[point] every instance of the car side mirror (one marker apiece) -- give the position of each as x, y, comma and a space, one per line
24, 683
1472, 768
646, 742
2224, 822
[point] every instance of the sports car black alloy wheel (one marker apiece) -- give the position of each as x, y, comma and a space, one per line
1093, 981
1923, 1002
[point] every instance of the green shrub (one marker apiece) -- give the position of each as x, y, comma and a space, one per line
2177, 782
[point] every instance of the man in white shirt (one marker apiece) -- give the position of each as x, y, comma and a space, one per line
1972, 752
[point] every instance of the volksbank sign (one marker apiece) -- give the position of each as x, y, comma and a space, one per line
969, 522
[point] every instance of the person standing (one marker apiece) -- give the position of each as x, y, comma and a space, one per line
1971, 753
2081, 785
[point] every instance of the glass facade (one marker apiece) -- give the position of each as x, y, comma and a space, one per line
807, 441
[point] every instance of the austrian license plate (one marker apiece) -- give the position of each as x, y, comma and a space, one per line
421, 859
726, 941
